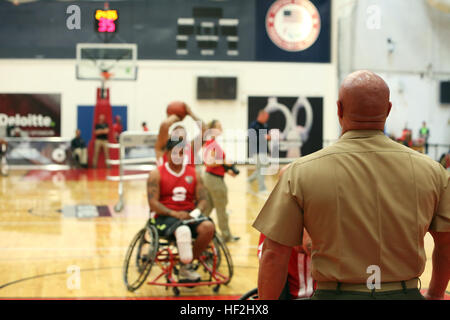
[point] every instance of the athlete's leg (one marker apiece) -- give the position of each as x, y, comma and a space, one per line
209, 201
83, 157
254, 175
259, 168
218, 190
106, 152
97, 146
205, 234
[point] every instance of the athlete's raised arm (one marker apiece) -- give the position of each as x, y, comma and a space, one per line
163, 134
197, 142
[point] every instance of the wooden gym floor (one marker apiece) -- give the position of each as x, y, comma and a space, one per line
39, 246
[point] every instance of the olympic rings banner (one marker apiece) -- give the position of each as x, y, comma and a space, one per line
31, 115
294, 122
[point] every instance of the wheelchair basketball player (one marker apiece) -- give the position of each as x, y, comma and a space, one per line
170, 128
175, 193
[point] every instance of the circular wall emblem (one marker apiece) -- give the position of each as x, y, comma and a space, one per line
293, 25
58, 155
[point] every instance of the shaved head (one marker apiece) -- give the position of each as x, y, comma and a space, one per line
363, 102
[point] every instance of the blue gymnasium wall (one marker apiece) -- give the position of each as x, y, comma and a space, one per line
85, 115
39, 29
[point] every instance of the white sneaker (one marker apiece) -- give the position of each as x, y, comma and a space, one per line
188, 273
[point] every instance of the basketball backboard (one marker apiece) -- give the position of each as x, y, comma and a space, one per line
118, 59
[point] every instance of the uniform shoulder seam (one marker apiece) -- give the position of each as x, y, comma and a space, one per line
301, 161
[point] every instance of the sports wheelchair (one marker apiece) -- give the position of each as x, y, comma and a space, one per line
148, 249
250, 295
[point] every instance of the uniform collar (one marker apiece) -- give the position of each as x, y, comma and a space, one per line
176, 174
355, 134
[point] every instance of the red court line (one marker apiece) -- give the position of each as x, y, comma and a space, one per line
136, 298
447, 297
74, 174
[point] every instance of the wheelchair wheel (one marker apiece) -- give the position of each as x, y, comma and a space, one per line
224, 258
224, 263
251, 295
140, 257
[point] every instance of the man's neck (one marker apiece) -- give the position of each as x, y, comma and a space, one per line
175, 167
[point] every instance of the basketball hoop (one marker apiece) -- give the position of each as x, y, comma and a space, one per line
106, 75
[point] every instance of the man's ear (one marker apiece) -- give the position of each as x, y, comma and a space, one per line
340, 109
389, 109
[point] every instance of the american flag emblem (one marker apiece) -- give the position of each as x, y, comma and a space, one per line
293, 25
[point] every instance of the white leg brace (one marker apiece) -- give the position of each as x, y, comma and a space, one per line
184, 243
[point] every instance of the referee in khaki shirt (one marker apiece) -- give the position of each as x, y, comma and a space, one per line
367, 203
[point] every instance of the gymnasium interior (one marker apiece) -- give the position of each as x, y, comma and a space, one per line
66, 227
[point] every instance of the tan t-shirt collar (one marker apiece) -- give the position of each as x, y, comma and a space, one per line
355, 134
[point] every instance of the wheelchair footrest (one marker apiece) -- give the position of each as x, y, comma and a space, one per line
189, 281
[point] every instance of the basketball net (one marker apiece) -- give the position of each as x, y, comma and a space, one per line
105, 75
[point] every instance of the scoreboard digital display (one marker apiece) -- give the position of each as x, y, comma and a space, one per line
106, 21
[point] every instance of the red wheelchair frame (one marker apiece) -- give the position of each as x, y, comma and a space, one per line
165, 255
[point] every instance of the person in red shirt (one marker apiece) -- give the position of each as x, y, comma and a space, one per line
176, 193
299, 283
406, 137
216, 168
117, 128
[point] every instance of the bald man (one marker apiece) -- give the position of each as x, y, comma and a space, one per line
367, 203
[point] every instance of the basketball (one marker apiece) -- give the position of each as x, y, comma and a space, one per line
178, 108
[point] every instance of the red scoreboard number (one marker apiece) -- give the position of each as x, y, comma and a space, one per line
106, 21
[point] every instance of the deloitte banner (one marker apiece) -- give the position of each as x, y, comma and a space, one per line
31, 115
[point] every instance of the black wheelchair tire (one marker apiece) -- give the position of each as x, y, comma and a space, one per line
144, 270
223, 252
250, 295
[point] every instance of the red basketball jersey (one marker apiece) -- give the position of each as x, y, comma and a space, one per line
177, 190
301, 283
212, 145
